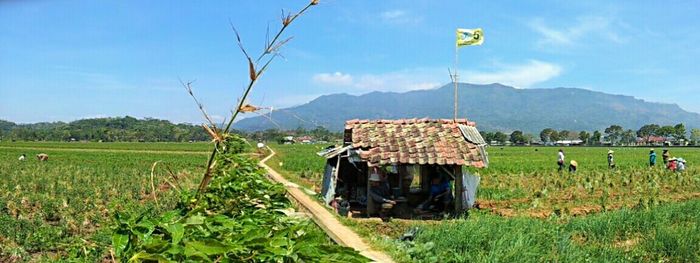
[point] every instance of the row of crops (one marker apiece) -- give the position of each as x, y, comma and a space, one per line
528, 211
64, 205
93, 206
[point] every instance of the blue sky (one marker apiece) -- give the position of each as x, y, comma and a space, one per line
65, 60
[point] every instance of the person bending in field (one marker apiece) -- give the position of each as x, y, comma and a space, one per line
42, 157
680, 165
611, 159
652, 158
22, 157
671, 164
440, 195
573, 165
560, 160
380, 193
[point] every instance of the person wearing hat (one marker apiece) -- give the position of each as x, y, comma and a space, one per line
652, 158
572, 166
611, 159
680, 165
560, 159
380, 192
672, 164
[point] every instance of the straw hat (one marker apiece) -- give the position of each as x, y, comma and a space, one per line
672, 159
374, 178
574, 163
610, 151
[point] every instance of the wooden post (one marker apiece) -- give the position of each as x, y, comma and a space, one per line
459, 188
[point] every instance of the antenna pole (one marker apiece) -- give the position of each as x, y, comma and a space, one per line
455, 80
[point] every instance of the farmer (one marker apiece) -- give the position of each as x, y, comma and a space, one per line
665, 156
611, 159
381, 194
652, 158
680, 165
440, 195
22, 157
560, 159
671, 164
572, 166
42, 157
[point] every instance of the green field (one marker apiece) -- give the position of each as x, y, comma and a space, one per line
62, 207
94, 202
530, 212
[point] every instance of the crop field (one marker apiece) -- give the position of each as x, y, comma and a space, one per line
62, 207
529, 212
101, 202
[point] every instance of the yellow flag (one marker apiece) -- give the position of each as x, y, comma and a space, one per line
469, 37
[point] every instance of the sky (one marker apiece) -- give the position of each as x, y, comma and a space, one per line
65, 60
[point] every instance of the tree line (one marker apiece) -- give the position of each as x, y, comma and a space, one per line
118, 129
614, 135
130, 129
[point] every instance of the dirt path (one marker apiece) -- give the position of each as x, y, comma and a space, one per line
325, 219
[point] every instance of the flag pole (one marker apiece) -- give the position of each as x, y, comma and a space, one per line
455, 80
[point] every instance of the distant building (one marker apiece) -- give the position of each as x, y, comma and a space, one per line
305, 139
652, 140
287, 140
568, 142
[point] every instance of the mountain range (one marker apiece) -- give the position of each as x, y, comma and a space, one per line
492, 107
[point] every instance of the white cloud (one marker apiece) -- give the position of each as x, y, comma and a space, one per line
393, 14
516, 75
398, 16
391, 81
583, 30
519, 76
334, 79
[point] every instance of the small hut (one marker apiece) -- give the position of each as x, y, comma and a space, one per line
407, 153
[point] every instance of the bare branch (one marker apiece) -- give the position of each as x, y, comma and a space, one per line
272, 47
188, 87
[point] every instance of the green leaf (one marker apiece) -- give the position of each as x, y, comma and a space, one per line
119, 242
142, 256
194, 220
176, 231
209, 247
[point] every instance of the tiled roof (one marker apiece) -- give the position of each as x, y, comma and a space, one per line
412, 141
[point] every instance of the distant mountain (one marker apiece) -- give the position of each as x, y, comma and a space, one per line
493, 107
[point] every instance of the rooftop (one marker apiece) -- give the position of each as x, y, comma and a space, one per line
413, 141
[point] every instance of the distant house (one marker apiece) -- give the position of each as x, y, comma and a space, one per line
408, 153
305, 139
652, 140
568, 142
287, 140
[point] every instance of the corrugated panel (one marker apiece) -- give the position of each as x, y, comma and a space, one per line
472, 134
333, 152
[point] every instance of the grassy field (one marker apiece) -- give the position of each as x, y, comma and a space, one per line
61, 208
531, 213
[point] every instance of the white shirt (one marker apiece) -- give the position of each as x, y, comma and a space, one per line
21, 157
561, 156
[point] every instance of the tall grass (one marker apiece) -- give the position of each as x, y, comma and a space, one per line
667, 233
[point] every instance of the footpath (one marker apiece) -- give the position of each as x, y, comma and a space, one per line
324, 218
